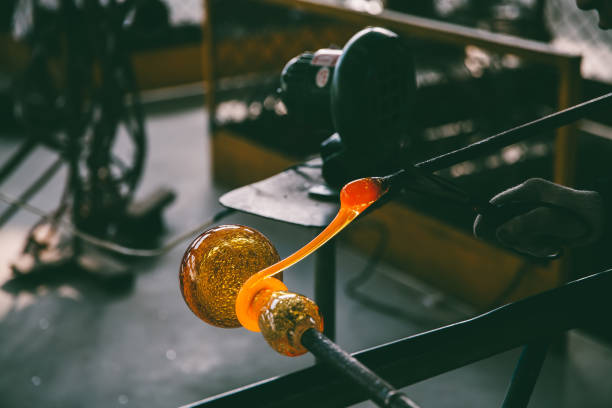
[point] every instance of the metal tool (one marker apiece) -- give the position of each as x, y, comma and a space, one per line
416, 180
381, 392
419, 178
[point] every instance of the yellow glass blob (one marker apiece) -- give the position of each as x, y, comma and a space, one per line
284, 317
216, 265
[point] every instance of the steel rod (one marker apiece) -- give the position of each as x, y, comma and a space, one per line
325, 286
526, 374
39, 183
381, 392
516, 134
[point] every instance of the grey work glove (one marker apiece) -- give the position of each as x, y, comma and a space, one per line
544, 230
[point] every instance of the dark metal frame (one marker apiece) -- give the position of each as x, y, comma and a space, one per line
407, 361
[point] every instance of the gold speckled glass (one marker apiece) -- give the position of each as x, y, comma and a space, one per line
284, 318
216, 265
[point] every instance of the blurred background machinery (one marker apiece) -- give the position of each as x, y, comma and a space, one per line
76, 94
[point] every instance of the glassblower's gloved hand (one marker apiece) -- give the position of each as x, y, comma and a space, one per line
542, 231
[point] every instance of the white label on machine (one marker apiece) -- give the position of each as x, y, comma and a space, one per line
326, 57
322, 77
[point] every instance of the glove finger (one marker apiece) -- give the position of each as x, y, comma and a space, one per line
477, 226
530, 190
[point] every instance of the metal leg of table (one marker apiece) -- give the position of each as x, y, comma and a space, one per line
526, 374
325, 286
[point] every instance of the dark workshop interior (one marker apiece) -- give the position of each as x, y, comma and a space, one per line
162, 161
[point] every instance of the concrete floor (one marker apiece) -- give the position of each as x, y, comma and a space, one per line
68, 341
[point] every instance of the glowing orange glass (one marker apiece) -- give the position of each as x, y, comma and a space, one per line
216, 265
355, 197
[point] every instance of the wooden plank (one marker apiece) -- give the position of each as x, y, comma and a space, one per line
238, 161
433, 30
156, 68
165, 67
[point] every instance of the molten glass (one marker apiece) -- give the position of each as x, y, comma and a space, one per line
216, 265
226, 275
284, 317
355, 197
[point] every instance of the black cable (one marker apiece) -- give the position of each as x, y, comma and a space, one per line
351, 288
516, 280
370, 268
